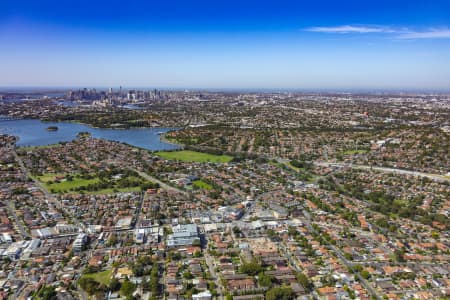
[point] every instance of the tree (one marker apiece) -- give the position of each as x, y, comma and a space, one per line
112, 240
265, 280
145, 284
188, 275
304, 281
398, 254
145, 260
348, 256
357, 268
236, 230
127, 288
435, 235
46, 293
271, 233
365, 274
91, 269
89, 285
138, 270
114, 285
154, 280
280, 293
251, 268
292, 231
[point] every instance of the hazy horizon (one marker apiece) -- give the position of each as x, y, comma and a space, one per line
30, 89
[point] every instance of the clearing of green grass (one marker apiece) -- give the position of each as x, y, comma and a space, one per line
103, 277
314, 179
236, 260
44, 178
193, 156
354, 151
286, 164
29, 148
64, 184
202, 185
297, 169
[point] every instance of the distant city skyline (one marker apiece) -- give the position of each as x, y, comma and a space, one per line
227, 45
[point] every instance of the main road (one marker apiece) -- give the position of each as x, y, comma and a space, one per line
47, 194
18, 222
49, 197
209, 262
436, 177
161, 184
348, 264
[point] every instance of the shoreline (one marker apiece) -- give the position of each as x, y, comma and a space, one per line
152, 132
162, 138
95, 127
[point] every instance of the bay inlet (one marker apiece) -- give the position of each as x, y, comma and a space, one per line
35, 133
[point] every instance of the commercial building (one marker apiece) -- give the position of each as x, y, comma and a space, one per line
79, 242
183, 235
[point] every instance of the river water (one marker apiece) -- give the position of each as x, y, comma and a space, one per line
35, 133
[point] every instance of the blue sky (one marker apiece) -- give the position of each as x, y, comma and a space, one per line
309, 45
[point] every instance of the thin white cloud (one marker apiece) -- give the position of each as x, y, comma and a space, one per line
350, 29
430, 34
400, 33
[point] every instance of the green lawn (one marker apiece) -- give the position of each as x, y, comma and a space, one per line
48, 177
202, 185
297, 169
29, 148
236, 260
103, 277
184, 140
355, 151
192, 156
66, 184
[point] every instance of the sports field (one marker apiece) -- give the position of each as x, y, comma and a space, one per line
193, 156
